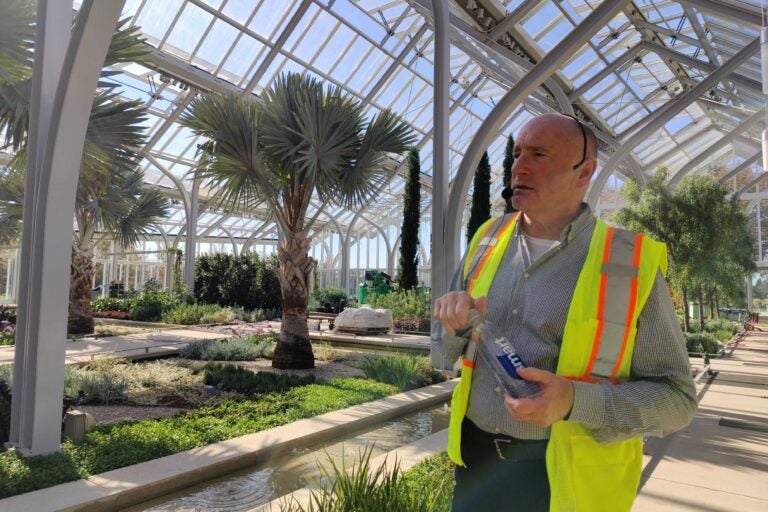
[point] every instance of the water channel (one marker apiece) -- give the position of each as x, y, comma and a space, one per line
248, 488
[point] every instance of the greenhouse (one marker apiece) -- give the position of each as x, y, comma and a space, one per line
237, 236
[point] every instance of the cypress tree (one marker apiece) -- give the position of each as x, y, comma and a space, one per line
409, 238
509, 159
481, 198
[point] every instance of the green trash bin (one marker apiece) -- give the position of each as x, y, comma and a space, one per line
362, 293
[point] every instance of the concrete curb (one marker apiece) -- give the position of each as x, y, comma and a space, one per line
131, 485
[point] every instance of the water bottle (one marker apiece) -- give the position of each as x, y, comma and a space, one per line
497, 351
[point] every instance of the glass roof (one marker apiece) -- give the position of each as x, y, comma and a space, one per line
636, 67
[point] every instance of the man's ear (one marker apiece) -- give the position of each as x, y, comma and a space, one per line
587, 170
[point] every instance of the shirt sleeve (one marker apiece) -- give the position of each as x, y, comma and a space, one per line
445, 349
659, 397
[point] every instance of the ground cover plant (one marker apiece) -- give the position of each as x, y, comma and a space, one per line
411, 309
401, 370
113, 446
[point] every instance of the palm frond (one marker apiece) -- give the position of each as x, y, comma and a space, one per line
365, 173
231, 159
14, 112
17, 31
127, 45
11, 204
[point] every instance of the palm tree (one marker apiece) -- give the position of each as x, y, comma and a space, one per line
303, 141
111, 195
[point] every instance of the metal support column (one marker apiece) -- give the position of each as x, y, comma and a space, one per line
190, 241
441, 266
67, 64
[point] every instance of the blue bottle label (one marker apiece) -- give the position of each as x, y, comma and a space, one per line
508, 359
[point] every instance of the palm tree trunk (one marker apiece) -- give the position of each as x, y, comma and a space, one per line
686, 316
293, 350
81, 277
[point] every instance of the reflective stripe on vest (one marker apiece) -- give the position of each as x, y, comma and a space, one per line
598, 340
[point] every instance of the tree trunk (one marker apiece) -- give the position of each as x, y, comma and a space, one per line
686, 317
717, 303
712, 302
700, 295
81, 276
293, 350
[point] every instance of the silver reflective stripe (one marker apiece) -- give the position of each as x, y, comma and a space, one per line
471, 353
619, 272
485, 244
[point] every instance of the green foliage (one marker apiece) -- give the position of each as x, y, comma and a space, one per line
228, 377
509, 160
404, 371
109, 447
363, 488
481, 197
406, 304
330, 296
706, 234
721, 324
434, 476
111, 304
244, 281
408, 264
234, 349
190, 314
702, 342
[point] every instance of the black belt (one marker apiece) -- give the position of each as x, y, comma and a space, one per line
505, 447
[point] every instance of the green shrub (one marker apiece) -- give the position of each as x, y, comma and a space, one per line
435, 477
189, 314
228, 377
111, 304
220, 316
100, 388
404, 371
335, 298
702, 342
721, 324
146, 313
233, 349
246, 281
364, 489
404, 304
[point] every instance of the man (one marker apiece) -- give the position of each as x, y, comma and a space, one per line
587, 309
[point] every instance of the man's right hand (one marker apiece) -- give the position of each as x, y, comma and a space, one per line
452, 310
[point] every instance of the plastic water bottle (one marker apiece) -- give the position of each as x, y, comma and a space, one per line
498, 352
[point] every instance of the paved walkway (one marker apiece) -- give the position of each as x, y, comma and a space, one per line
719, 463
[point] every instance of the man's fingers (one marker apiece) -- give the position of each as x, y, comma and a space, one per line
535, 374
481, 305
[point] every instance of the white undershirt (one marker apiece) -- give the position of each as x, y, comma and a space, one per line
536, 247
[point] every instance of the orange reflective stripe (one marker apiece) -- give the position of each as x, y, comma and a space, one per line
600, 305
632, 304
488, 253
468, 363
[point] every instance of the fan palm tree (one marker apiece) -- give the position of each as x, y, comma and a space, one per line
303, 140
111, 195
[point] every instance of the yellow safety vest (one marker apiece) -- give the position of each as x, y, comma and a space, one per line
598, 341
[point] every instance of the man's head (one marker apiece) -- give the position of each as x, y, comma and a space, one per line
555, 157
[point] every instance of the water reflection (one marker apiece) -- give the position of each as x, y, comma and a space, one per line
244, 490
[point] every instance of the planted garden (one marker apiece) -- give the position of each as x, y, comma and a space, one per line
211, 392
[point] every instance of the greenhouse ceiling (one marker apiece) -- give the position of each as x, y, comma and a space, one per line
664, 83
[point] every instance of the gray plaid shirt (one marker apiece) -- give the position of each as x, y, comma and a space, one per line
531, 304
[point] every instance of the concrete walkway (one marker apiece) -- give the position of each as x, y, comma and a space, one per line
719, 462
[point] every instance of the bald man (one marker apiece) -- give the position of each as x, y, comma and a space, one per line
587, 309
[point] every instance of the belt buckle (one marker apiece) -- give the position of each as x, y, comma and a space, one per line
498, 447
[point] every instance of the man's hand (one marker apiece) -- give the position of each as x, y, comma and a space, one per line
452, 310
552, 404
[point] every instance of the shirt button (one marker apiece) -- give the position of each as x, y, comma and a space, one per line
498, 389
514, 312
525, 275
496, 430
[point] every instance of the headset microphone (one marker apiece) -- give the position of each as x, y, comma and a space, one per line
506, 194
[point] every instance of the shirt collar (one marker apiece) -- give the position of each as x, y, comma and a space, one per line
583, 220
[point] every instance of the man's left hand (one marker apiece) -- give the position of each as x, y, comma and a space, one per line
552, 404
